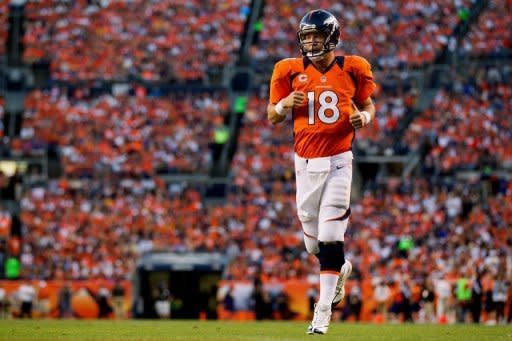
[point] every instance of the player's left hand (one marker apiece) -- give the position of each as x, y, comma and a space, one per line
357, 119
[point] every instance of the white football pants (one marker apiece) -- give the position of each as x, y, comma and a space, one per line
323, 197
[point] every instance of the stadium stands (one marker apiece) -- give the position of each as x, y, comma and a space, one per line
491, 35
111, 205
467, 124
134, 39
131, 134
391, 33
4, 26
395, 100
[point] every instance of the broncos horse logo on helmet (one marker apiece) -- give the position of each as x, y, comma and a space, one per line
319, 21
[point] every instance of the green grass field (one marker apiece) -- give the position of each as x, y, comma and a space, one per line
199, 330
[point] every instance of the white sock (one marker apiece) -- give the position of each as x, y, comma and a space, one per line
327, 287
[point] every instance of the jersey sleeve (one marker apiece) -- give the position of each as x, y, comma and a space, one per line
280, 85
362, 72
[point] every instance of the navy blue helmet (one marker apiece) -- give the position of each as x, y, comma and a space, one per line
321, 21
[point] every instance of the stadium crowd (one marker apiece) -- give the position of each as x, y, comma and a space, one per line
123, 40
4, 25
491, 35
467, 124
419, 238
394, 101
130, 133
394, 33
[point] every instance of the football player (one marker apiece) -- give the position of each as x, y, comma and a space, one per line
328, 98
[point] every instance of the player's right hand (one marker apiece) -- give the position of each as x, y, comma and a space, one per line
294, 99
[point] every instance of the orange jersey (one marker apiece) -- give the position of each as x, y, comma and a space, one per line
321, 127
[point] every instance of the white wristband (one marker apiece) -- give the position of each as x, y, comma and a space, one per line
367, 117
282, 111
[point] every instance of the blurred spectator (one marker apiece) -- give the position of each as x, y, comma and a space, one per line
118, 293
64, 301
509, 299
163, 301
476, 297
463, 295
4, 304
499, 296
401, 307
381, 295
26, 295
3, 257
312, 294
12, 268
228, 302
443, 292
43, 299
103, 298
427, 302
261, 300
282, 307
10, 185
489, 306
353, 304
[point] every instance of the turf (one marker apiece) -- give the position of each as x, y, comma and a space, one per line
199, 330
